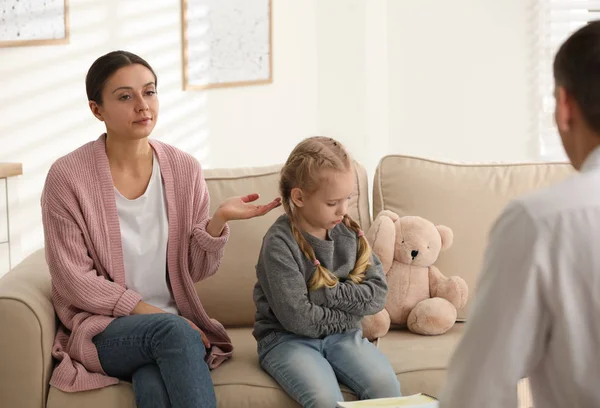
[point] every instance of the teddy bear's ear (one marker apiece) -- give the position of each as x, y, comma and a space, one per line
447, 236
382, 238
390, 214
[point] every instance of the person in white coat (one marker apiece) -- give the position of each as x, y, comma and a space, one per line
536, 312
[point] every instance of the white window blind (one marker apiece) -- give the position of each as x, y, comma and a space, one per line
557, 20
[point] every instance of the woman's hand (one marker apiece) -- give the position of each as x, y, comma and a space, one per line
238, 208
145, 308
204, 338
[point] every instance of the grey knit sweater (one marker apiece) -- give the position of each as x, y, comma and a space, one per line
283, 301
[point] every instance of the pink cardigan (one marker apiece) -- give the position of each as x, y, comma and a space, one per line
84, 254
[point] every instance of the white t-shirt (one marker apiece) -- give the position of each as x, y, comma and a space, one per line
144, 235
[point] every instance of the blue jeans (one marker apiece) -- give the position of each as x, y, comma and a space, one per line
162, 356
309, 369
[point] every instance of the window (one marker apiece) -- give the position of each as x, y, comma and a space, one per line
557, 19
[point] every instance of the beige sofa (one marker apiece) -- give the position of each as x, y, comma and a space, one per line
466, 198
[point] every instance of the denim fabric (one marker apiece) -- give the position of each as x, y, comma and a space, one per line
162, 356
309, 369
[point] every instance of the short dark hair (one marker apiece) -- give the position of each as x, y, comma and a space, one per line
105, 66
577, 69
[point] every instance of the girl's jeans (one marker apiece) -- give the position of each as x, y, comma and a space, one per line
309, 369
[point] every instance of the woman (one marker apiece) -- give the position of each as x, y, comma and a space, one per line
127, 234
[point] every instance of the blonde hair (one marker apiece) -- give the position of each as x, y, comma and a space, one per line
303, 169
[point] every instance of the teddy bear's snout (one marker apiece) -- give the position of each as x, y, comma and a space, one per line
414, 253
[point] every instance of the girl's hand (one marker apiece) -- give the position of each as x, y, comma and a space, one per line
241, 208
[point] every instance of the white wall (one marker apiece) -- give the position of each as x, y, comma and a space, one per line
459, 79
353, 92
341, 43
44, 113
445, 80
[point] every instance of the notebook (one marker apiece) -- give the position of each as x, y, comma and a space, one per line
410, 401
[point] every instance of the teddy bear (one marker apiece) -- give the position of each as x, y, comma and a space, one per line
419, 296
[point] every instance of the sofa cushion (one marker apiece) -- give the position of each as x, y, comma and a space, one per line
239, 382
465, 197
419, 362
227, 296
117, 396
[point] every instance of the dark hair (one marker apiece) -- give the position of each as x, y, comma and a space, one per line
105, 66
577, 69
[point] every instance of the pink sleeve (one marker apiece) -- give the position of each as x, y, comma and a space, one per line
206, 251
73, 273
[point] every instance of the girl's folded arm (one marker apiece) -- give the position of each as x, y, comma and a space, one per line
287, 293
362, 299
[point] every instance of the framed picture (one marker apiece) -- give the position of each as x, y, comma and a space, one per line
33, 22
226, 43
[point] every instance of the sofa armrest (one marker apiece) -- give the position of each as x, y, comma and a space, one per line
27, 330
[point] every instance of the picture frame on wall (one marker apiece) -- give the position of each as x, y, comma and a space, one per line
226, 43
33, 22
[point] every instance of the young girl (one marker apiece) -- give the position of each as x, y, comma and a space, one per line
127, 234
317, 278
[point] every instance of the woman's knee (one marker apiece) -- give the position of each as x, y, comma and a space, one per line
175, 332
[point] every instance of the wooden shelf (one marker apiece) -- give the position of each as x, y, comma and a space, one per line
10, 169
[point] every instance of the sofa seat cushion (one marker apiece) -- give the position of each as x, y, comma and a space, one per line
117, 396
408, 353
241, 382
419, 362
